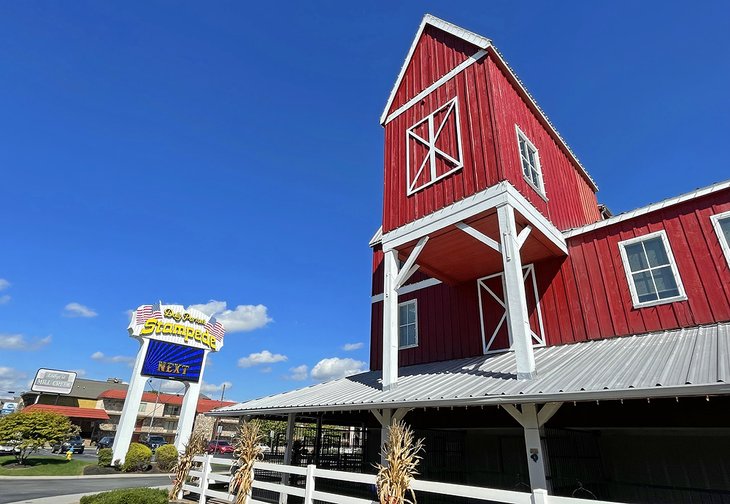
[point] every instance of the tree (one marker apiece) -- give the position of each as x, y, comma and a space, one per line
30, 431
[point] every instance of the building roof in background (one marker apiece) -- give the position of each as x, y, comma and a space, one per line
204, 405
694, 361
69, 411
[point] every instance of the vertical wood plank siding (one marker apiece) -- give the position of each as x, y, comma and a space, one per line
585, 296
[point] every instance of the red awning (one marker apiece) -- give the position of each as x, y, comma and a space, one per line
69, 411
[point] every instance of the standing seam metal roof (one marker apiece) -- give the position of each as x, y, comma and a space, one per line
681, 362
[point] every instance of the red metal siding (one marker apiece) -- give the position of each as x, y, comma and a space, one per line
592, 283
436, 54
571, 200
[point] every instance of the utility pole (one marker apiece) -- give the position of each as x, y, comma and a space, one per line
217, 434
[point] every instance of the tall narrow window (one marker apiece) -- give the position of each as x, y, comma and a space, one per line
651, 270
407, 324
530, 161
721, 223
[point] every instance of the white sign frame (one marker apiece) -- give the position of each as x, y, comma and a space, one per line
68, 382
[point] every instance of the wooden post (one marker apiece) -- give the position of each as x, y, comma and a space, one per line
204, 478
518, 322
390, 319
318, 440
290, 423
309, 485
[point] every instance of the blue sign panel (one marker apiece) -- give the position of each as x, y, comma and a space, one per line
167, 360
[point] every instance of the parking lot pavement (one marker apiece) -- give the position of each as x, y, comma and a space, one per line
88, 455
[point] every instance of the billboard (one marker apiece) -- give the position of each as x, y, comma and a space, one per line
53, 381
168, 360
176, 324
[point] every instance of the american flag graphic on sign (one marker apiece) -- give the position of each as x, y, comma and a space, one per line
146, 312
216, 329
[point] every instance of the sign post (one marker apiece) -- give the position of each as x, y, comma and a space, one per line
174, 344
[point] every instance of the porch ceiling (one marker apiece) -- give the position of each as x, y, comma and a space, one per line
693, 361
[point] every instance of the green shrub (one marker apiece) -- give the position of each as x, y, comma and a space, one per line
105, 457
166, 456
137, 459
128, 496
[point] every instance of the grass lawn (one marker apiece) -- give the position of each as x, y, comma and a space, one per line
42, 466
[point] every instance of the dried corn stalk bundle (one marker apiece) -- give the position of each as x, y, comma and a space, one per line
248, 451
195, 446
402, 457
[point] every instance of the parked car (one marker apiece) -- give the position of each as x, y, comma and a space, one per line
105, 442
220, 447
8, 449
154, 442
75, 444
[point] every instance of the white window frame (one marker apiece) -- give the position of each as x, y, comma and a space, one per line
415, 303
430, 143
682, 296
724, 245
541, 188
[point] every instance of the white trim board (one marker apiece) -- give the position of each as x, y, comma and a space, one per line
406, 289
697, 193
724, 244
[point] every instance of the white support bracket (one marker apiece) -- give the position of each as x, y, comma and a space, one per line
386, 418
410, 267
522, 237
480, 236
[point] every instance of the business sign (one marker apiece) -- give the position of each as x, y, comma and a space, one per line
168, 360
8, 408
175, 324
53, 381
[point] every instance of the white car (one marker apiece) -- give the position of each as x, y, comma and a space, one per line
6, 449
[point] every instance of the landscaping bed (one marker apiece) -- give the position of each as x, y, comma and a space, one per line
42, 466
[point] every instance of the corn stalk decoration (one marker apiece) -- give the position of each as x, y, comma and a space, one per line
401, 454
195, 446
248, 451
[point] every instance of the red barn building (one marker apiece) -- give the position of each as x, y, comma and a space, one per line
532, 338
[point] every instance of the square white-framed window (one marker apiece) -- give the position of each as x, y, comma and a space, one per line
651, 270
408, 324
433, 147
721, 223
530, 162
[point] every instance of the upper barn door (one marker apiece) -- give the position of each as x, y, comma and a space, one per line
493, 313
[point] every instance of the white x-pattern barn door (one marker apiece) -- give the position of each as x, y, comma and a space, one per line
495, 330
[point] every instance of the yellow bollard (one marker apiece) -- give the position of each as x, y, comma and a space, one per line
69, 454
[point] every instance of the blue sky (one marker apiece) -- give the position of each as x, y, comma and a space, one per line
231, 152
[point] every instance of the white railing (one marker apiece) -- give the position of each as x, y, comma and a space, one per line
205, 476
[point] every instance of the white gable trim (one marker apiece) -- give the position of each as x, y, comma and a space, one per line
698, 193
428, 19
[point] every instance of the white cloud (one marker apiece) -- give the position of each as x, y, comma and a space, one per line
335, 367
299, 373
78, 310
4, 284
258, 358
349, 347
212, 388
4, 299
12, 380
19, 342
113, 359
242, 318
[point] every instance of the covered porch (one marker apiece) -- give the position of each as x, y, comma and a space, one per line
636, 419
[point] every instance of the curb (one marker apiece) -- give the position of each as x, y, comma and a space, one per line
67, 499
92, 476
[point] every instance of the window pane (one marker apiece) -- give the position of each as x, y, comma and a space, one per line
412, 334
637, 259
655, 252
531, 156
665, 283
535, 178
725, 227
644, 287
411, 313
403, 314
402, 336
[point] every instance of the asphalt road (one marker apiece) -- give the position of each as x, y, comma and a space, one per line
88, 455
19, 490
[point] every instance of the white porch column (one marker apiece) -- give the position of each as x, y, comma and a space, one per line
128, 419
189, 409
390, 320
532, 422
385, 422
518, 322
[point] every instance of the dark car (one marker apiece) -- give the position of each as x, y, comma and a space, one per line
105, 442
75, 444
154, 442
220, 447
